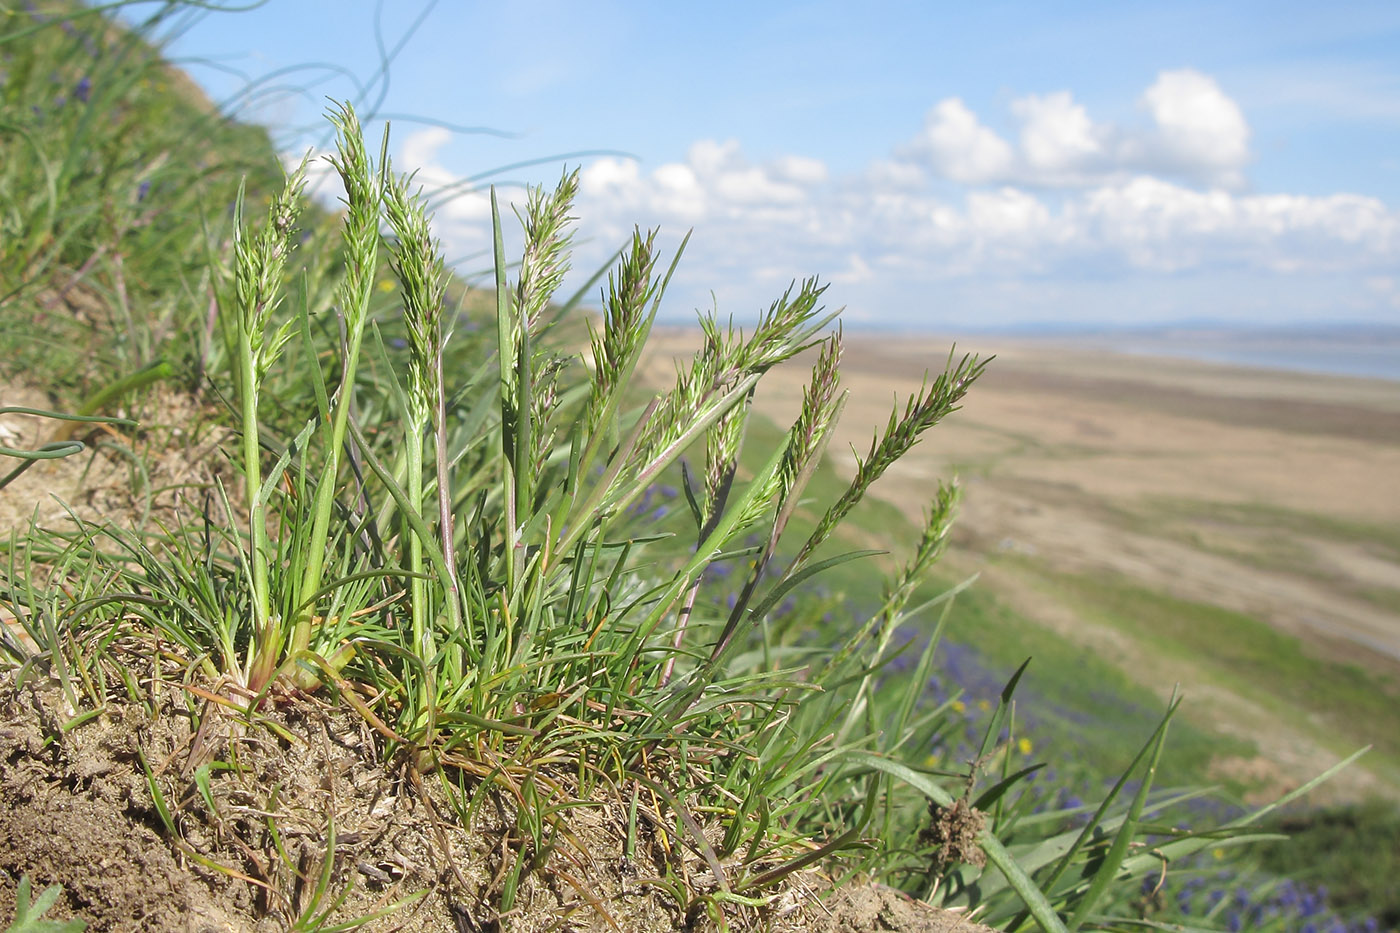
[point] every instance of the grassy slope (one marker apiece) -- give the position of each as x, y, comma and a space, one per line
1341, 704
120, 175
1278, 549
1081, 700
143, 292
1074, 698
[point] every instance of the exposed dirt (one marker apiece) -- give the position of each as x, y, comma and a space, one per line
127, 475
261, 804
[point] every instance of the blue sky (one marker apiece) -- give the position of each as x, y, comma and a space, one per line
953, 167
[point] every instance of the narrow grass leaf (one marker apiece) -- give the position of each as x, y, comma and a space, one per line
1113, 860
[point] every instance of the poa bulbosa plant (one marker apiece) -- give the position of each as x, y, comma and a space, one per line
478, 569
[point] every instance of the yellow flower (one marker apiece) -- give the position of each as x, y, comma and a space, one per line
959, 706
1023, 746
1217, 853
983, 705
385, 285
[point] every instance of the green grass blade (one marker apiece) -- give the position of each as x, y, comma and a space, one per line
1113, 860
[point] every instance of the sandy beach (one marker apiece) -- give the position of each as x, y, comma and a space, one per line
1270, 493
1168, 471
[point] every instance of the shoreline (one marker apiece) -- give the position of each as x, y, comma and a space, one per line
1352, 359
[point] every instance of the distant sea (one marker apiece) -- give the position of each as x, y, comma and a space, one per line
1369, 359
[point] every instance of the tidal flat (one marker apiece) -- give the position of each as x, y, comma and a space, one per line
1229, 529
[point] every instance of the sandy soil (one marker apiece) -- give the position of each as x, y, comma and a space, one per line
79, 809
1273, 494
127, 475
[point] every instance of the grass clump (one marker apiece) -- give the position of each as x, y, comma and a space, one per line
508, 625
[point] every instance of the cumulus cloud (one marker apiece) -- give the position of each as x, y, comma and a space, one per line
956, 145
1197, 132
867, 230
715, 183
1058, 140
800, 170
1166, 227
462, 214
419, 150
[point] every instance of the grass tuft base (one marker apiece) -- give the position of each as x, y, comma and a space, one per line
258, 806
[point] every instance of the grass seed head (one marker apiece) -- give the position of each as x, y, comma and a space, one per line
416, 259
547, 240
362, 205
260, 261
630, 290
808, 436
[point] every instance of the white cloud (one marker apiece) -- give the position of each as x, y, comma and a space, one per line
462, 214
1197, 132
322, 181
1199, 129
867, 236
715, 180
609, 176
856, 271
755, 186
421, 147
800, 170
1007, 213
1058, 140
864, 230
1162, 226
893, 174
710, 157
679, 192
956, 145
